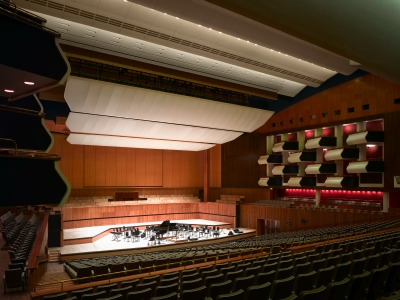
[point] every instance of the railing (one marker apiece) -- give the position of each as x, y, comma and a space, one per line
99, 71
110, 276
16, 13
11, 140
22, 110
28, 153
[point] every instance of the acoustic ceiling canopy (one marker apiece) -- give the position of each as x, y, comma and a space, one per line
135, 116
94, 124
127, 142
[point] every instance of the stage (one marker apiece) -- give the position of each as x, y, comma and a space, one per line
98, 241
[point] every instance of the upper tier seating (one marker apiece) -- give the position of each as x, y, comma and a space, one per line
7, 218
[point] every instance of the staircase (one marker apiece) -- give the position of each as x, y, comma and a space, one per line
54, 255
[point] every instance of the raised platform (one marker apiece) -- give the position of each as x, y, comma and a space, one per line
97, 241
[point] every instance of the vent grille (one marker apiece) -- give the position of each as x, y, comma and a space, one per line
85, 14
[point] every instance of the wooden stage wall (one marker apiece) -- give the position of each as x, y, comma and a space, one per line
76, 217
314, 218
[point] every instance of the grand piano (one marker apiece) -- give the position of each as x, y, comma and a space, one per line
165, 228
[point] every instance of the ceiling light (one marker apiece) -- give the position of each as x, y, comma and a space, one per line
63, 24
29, 82
199, 25
247, 41
219, 32
255, 44
9, 91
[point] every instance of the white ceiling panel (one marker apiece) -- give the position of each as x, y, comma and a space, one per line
105, 125
127, 142
103, 98
137, 49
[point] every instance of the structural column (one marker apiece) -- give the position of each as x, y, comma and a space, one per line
317, 197
385, 202
206, 177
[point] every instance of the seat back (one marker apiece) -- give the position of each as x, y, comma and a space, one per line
79, 293
386, 258
282, 288
301, 269
194, 294
342, 271
169, 281
209, 273
304, 282
337, 290
333, 261
232, 275
315, 294
358, 266
238, 295
284, 273
378, 279
258, 292
252, 271
324, 276
115, 297
133, 283
60, 296
243, 283
171, 296
269, 267
106, 288
13, 277
166, 290
191, 284
373, 262
94, 296
393, 278
122, 291
358, 285
318, 264
144, 294
219, 289
155, 278
213, 279
263, 278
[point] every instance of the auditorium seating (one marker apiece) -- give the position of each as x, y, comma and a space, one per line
7, 218
322, 257
378, 275
151, 199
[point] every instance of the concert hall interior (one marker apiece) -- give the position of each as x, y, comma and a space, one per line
202, 149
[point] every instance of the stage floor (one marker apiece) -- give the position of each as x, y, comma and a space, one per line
91, 232
105, 245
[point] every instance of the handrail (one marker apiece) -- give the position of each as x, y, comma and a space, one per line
11, 140
37, 245
22, 110
17, 16
33, 153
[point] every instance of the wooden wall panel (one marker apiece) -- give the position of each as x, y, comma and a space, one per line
75, 217
90, 166
369, 89
240, 166
251, 194
101, 165
215, 166
314, 218
72, 160
130, 167
110, 191
111, 168
122, 167
140, 163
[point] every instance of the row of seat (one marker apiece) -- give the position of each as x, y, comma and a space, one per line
6, 218
268, 274
100, 268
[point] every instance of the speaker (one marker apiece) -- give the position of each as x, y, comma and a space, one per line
303, 220
237, 215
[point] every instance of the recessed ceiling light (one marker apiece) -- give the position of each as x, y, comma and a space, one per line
247, 41
177, 18
199, 25
29, 82
9, 91
219, 32
255, 44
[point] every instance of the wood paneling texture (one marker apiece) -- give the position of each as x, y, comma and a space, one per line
315, 218
76, 217
250, 194
391, 149
369, 89
72, 160
110, 191
240, 168
215, 166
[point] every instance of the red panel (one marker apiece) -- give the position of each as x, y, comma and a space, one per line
394, 199
309, 134
374, 152
327, 132
292, 137
349, 129
374, 125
